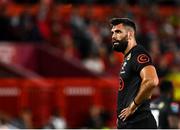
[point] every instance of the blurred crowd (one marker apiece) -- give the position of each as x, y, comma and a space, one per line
139, 2
97, 118
25, 121
85, 36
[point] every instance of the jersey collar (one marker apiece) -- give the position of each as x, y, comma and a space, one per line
130, 50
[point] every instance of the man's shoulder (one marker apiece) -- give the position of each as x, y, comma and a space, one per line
140, 49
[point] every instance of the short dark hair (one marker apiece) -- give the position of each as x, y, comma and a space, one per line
124, 21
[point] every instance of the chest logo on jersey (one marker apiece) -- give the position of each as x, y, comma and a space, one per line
123, 67
121, 84
125, 63
129, 57
143, 58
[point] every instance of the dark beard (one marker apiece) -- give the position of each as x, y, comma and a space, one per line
120, 46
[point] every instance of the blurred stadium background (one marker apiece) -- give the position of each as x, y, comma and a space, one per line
56, 58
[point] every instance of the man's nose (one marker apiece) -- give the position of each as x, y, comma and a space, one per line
113, 37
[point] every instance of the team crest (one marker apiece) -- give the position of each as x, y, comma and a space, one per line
143, 58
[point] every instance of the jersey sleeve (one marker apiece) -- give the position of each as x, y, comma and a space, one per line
140, 60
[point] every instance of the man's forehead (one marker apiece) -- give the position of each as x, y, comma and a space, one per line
119, 26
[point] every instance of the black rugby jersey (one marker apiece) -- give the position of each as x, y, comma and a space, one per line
130, 80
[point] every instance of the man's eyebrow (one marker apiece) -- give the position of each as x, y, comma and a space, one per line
116, 30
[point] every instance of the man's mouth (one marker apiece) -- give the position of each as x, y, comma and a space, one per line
115, 43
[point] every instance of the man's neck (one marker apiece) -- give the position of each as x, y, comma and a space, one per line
131, 44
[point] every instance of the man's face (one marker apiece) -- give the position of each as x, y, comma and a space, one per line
119, 38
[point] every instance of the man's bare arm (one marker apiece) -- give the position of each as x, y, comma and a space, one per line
149, 82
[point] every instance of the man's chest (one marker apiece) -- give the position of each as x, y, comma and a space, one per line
126, 67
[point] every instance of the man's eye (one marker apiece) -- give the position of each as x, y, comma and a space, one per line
118, 31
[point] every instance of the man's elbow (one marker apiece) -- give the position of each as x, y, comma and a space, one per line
151, 82
154, 82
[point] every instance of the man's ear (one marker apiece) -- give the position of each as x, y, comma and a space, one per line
130, 34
